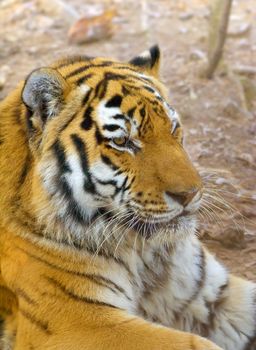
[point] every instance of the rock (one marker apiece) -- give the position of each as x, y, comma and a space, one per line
22, 11
208, 105
252, 130
2, 81
237, 31
244, 43
4, 71
222, 181
7, 3
193, 131
232, 237
92, 28
183, 30
185, 16
192, 94
32, 50
41, 23
247, 158
232, 109
197, 54
249, 87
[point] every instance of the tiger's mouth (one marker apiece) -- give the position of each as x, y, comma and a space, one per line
148, 227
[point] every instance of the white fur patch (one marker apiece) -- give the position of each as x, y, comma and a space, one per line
75, 180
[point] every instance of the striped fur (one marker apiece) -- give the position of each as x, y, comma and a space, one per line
98, 219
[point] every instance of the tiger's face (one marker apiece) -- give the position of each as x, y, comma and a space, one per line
108, 146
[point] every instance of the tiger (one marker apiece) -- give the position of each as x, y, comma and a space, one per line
98, 218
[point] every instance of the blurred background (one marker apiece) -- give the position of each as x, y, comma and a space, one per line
219, 114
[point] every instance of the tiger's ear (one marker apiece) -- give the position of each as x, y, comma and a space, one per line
148, 61
43, 92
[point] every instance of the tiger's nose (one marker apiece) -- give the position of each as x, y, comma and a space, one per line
183, 198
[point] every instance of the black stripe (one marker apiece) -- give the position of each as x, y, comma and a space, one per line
131, 111
63, 186
115, 101
108, 256
42, 325
87, 122
81, 80
98, 279
99, 137
25, 170
79, 70
150, 89
5, 311
119, 116
155, 54
143, 112
125, 91
21, 293
70, 294
67, 123
199, 283
59, 153
5, 289
86, 97
107, 161
81, 149
1, 328
100, 89
72, 60
111, 127
141, 61
75, 212
124, 183
28, 117
72, 207
107, 182
251, 345
16, 114
129, 68
87, 66
114, 76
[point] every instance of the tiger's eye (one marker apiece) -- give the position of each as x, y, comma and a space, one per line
120, 141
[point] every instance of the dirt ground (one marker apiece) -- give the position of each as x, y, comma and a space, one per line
219, 115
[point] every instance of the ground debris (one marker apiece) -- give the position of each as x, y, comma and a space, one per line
185, 16
94, 28
238, 30
4, 71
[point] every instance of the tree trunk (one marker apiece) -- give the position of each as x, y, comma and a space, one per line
217, 34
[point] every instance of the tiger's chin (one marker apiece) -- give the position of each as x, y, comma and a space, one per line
164, 231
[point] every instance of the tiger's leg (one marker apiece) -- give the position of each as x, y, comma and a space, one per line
224, 309
120, 331
8, 309
201, 297
8, 335
233, 316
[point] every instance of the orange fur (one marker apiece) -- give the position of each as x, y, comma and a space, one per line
44, 296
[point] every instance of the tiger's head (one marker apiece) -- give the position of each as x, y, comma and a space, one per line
108, 149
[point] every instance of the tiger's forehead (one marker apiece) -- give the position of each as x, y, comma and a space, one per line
118, 92
80, 70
